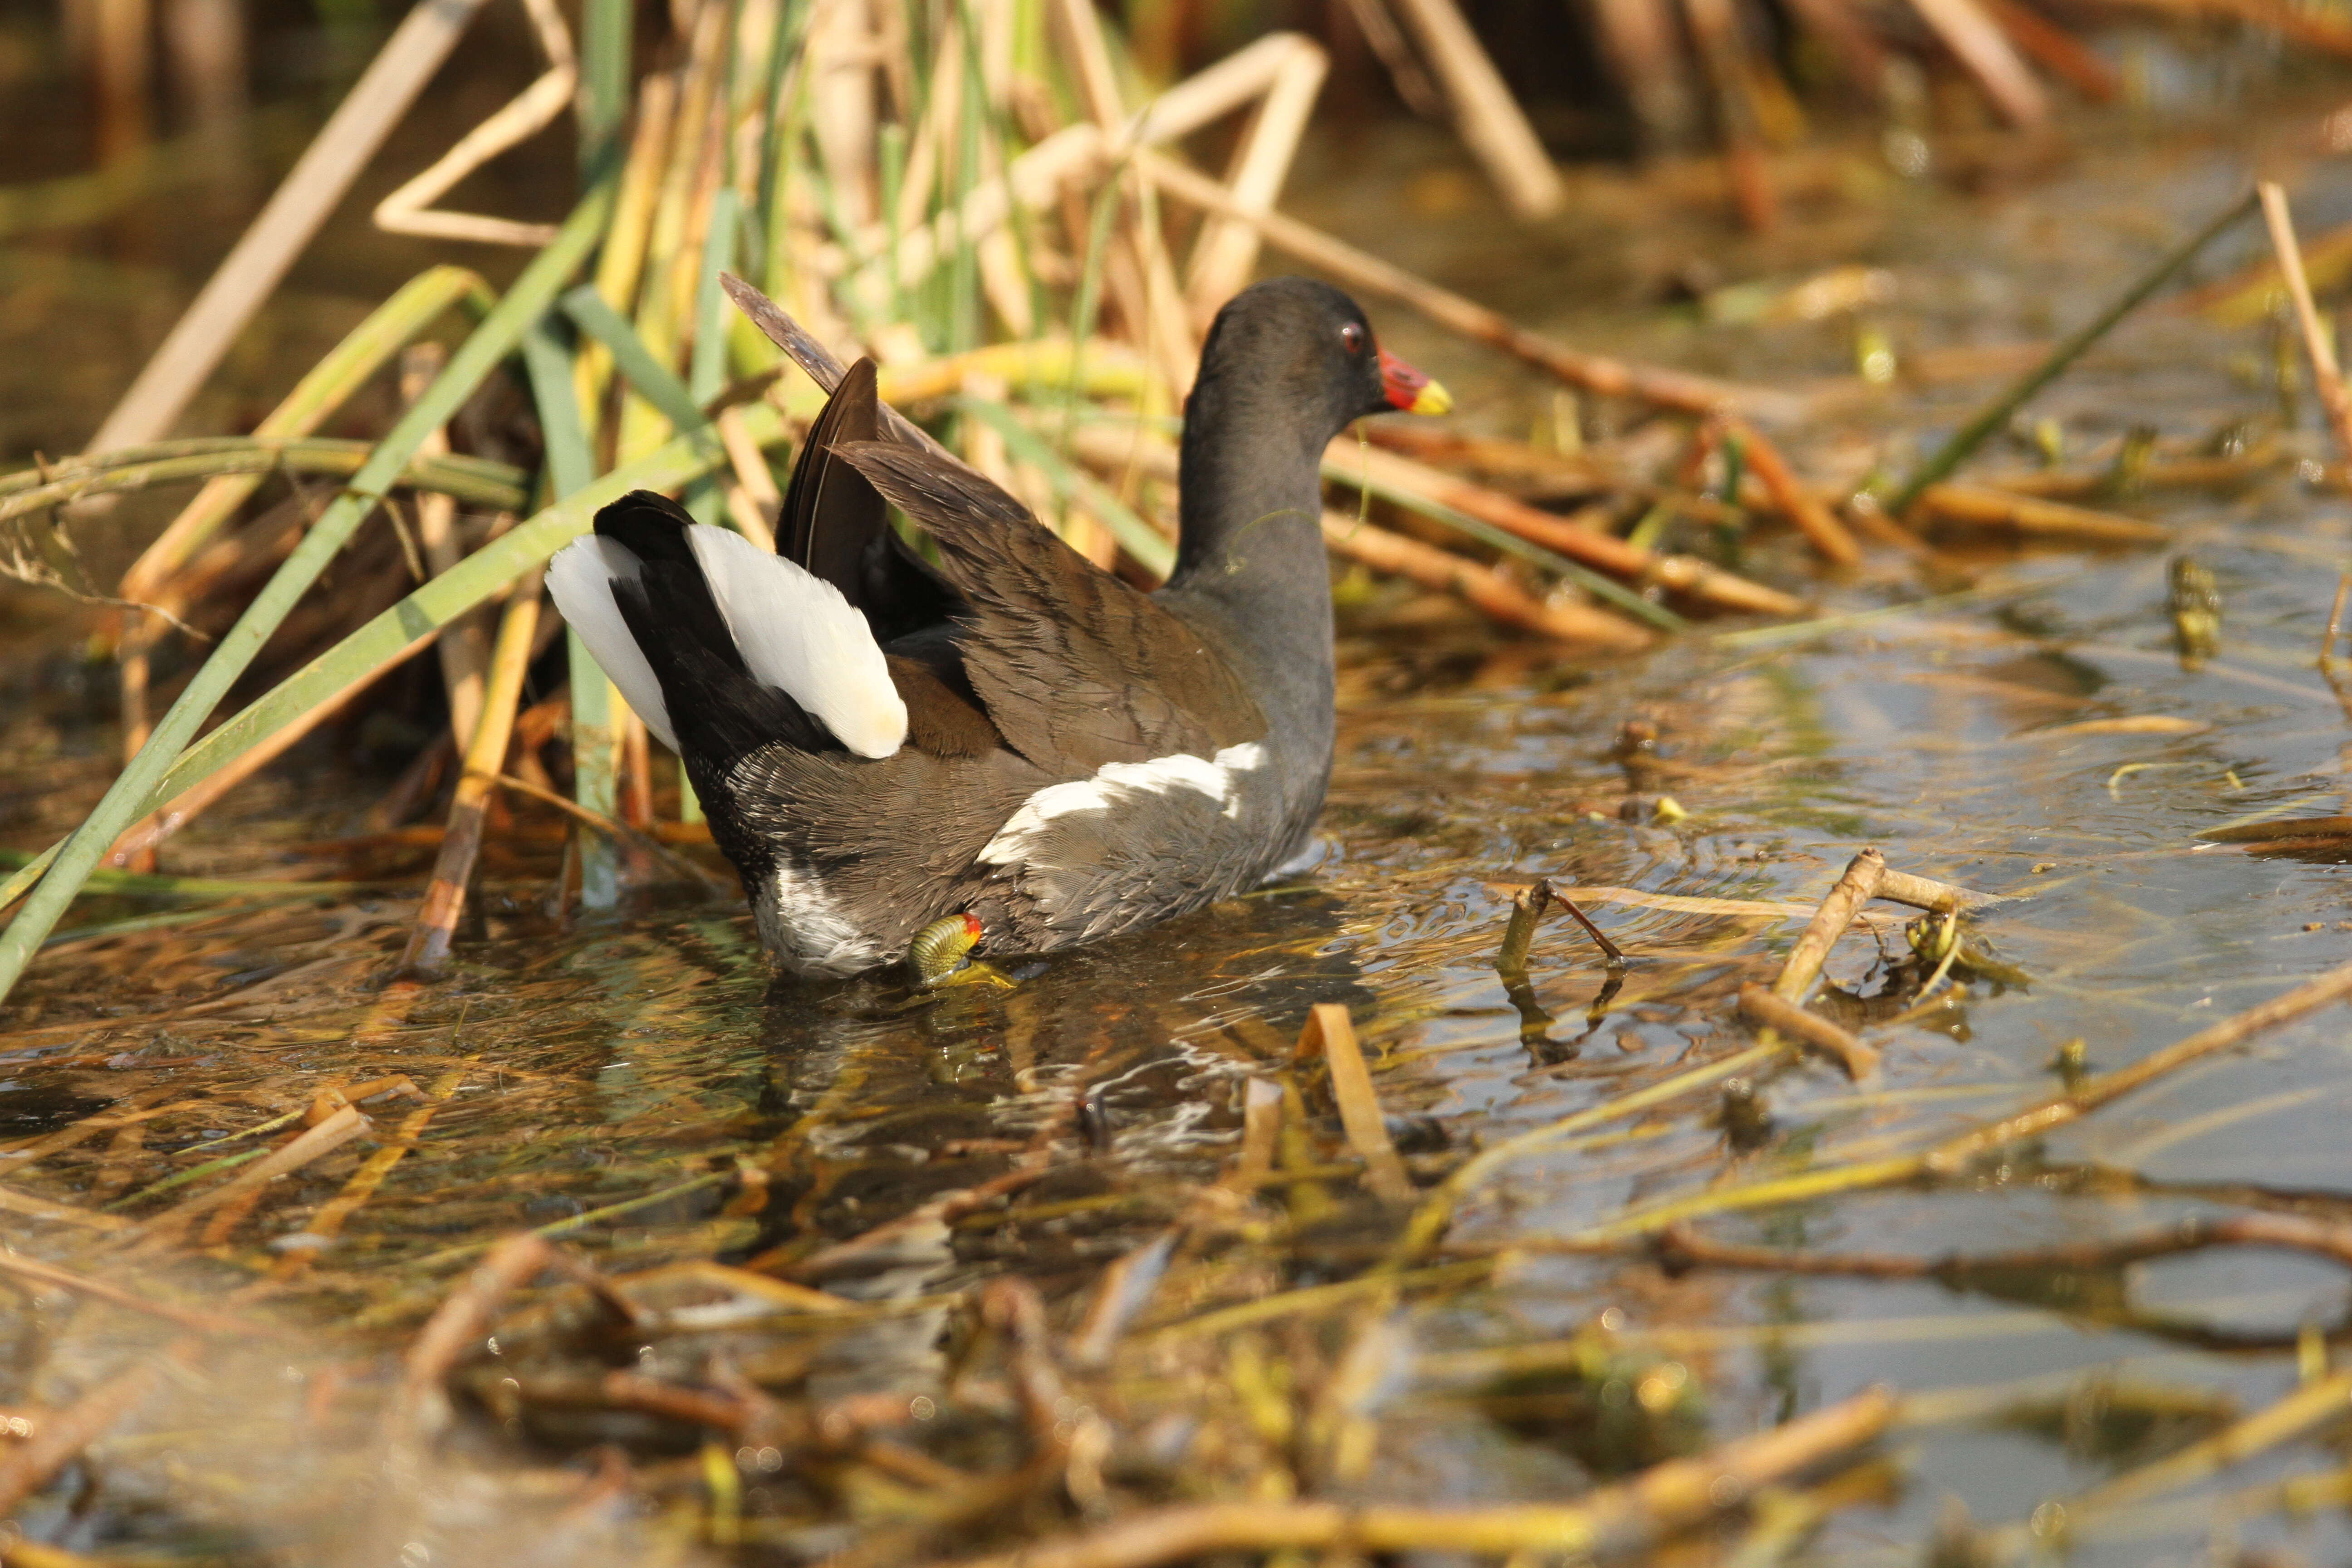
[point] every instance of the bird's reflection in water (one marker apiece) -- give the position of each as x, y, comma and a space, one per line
1094, 1093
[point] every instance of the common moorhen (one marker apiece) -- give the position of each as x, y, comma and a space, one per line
1007, 745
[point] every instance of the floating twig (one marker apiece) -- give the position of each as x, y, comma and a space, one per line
1329, 1035
1860, 1061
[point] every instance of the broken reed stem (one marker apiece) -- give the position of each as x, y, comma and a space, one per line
1352, 465
1839, 907
2028, 517
1792, 499
1612, 1522
1860, 1061
1483, 587
1330, 1035
2327, 376
1527, 911
325, 1138
321, 1230
2335, 619
1995, 416
445, 898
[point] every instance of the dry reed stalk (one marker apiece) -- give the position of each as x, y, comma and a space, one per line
1674, 389
1487, 115
1261, 1124
409, 210
27, 1467
1167, 331
1838, 906
33, 1270
1798, 504
1679, 1246
1490, 591
1860, 1061
1978, 506
754, 500
465, 644
1225, 252
1926, 893
2319, 343
1330, 1035
325, 1138
620, 263
1984, 49
1603, 551
319, 1231
842, 57
1608, 1522
673, 246
445, 898
309, 192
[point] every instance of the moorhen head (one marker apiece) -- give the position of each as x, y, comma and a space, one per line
1007, 747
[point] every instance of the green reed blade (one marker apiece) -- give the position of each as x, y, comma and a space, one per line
1996, 414
129, 795
571, 466
706, 375
656, 382
605, 29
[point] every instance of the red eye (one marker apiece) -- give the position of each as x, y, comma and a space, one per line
1353, 336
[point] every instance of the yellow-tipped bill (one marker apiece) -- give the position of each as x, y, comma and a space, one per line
1411, 391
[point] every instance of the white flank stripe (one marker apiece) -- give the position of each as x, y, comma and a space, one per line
1115, 785
580, 579
810, 929
799, 635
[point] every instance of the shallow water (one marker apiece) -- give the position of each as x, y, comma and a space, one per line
639, 1087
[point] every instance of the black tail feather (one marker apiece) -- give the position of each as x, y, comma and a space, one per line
833, 521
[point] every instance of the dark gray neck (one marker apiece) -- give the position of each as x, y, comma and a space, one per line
1252, 575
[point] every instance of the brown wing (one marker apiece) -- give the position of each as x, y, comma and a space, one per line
1076, 668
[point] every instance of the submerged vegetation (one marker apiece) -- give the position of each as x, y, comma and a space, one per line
1803, 906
